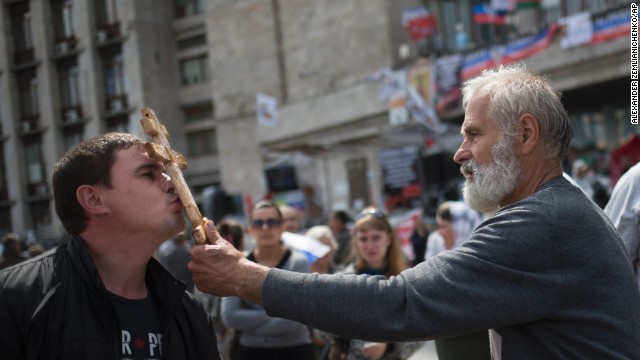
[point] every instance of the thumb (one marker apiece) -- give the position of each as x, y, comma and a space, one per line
212, 233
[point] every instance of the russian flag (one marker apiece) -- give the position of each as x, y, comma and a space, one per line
611, 26
528, 46
485, 14
482, 14
474, 63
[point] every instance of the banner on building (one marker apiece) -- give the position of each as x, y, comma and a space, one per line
419, 23
397, 88
477, 61
421, 96
266, 110
578, 30
528, 46
611, 25
447, 70
401, 182
420, 76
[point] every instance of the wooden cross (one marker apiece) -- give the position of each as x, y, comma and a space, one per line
174, 163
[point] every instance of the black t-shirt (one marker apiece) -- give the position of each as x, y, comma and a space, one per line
140, 325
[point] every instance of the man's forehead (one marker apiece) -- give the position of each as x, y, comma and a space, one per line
137, 156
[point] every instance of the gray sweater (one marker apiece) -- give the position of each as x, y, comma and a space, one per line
548, 273
260, 330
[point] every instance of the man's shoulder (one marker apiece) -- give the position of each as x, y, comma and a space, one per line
553, 198
25, 285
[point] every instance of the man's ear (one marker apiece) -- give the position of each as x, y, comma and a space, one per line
89, 198
530, 133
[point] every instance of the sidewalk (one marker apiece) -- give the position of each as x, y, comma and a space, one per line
427, 352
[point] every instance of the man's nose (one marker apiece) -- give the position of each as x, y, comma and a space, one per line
168, 183
461, 155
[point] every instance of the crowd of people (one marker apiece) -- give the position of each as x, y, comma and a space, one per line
547, 273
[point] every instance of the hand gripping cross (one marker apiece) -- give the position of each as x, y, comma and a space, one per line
174, 163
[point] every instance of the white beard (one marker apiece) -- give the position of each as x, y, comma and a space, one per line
491, 183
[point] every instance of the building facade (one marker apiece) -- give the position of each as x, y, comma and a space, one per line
73, 69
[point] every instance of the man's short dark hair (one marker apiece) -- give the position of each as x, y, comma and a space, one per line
10, 239
88, 163
342, 216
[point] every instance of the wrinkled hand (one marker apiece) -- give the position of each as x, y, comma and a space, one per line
373, 350
220, 269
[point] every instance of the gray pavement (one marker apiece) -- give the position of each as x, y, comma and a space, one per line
427, 352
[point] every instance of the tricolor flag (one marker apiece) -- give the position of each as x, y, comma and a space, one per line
419, 22
528, 46
611, 25
485, 14
475, 62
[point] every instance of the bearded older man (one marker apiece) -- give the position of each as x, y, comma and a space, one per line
547, 274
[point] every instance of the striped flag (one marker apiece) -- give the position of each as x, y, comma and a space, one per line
611, 25
474, 63
485, 14
528, 46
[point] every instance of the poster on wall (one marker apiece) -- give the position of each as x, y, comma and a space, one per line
447, 70
401, 182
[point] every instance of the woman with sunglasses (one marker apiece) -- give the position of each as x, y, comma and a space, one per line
456, 221
263, 337
377, 252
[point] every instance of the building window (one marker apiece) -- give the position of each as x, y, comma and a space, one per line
22, 34
28, 92
359, 193
453, 17
202, 143
69, 89
36, 181
114, 76
108, 21
198, 113
5, 220
40, 214
189, 7
72, 136
106, 13
62, 20
115, 82
191, 42
194, 70
118, 124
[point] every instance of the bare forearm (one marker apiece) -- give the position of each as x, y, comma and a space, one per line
251, 281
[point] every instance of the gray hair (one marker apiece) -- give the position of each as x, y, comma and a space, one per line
513, 91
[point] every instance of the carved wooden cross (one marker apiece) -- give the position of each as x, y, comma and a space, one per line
174, 163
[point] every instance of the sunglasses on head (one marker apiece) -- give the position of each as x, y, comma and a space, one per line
271, 223
373, 212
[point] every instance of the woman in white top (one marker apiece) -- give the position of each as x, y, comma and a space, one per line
455, 223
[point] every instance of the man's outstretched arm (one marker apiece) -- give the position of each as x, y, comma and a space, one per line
220, 269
